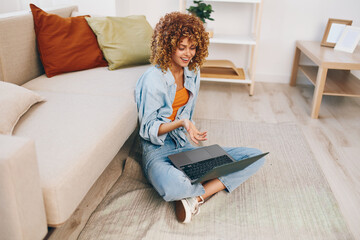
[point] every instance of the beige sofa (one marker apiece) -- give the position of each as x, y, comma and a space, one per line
61, 146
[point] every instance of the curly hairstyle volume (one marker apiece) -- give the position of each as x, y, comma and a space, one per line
169, 32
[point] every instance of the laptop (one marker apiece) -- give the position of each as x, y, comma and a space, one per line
206, 163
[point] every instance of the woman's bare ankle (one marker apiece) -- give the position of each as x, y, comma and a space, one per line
200, 199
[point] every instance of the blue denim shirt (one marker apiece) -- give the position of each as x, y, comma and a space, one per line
154, 96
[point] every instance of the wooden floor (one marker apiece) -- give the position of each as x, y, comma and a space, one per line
334, 138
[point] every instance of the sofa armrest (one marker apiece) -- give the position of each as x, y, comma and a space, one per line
21, 202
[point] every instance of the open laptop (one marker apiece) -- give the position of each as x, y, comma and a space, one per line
206, 163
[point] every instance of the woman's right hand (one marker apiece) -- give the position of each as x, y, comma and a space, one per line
194, 133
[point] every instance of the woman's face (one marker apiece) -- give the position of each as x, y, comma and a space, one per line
184, 53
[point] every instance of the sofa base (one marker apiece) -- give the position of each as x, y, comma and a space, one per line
22, 212
73, 226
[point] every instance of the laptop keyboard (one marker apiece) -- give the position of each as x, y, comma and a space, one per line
196, 170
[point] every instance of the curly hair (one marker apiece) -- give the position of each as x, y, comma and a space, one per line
169, 32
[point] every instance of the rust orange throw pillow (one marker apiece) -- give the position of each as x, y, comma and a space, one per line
65, 44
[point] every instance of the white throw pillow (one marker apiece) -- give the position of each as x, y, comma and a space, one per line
14, 102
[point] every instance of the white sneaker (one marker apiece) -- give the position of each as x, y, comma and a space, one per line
186, 208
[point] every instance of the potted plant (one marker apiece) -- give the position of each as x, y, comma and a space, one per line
202, 11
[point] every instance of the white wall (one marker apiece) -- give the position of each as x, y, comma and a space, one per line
96, 7
283, 22
103, 7
8, 6
152, 9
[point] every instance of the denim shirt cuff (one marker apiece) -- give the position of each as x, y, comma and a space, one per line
153, 134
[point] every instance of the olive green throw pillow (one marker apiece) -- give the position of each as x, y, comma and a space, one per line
124, 41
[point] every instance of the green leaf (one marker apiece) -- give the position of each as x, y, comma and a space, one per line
202, 10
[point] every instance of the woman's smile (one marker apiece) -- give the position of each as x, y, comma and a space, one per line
186, 60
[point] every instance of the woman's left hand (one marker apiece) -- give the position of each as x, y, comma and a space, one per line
194, 133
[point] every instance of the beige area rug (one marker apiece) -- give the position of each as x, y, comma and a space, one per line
288, 198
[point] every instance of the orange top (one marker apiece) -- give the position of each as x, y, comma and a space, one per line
181, 98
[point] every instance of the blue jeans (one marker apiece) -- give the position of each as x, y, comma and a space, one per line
172, 184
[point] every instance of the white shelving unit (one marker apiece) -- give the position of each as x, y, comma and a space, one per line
250, 41
233, 39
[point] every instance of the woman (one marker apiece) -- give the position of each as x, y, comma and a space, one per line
165, 96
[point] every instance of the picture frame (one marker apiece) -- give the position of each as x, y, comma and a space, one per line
333, 31
349, 39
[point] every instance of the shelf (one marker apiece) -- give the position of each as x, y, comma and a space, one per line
338, 82
223, 71
233, 39
227, 80
247, 80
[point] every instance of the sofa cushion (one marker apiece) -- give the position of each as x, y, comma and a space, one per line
19, 58
125, 41
65, 44
97, 81
14, 102
76, 136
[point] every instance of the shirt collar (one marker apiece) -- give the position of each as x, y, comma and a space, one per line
188, 73
170, 78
